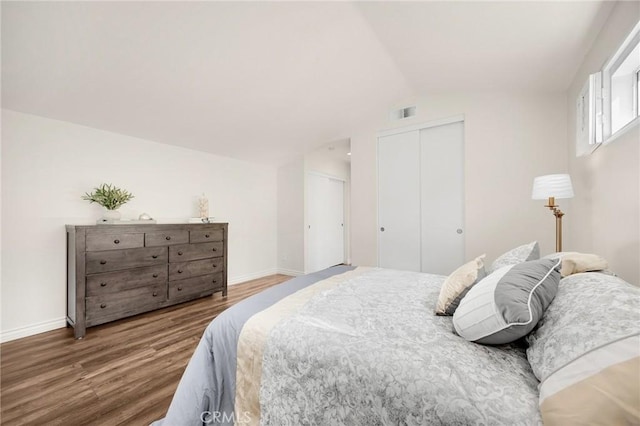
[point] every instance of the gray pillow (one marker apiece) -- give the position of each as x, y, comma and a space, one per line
507, 304
520, 254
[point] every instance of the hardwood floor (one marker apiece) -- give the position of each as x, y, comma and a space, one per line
122, 373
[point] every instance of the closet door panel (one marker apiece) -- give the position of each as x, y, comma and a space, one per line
442, 198
399, 201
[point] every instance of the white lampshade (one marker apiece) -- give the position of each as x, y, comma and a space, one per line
558, 186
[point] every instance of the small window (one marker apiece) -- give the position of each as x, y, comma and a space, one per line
620, 85
589, 116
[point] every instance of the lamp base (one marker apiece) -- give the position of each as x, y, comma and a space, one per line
558, 214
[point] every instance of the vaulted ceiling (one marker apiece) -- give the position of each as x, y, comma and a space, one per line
266, 81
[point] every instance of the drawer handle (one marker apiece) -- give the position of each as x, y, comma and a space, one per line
167, 238
179, 253
214, 265
103, 284
214, 281
179, 271
116, 241
155, 275
206, 235
155, 293
103, 305
103, 262
155, 256
214, 249
179, 288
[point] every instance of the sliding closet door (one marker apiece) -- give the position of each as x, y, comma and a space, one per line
325, 217
399, 201
442, 197
421, 198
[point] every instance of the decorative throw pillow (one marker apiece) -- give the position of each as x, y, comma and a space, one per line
574, 262
586, 353
520, 254
507, 304
458, 284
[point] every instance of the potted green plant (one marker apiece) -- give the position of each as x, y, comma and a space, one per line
109, 197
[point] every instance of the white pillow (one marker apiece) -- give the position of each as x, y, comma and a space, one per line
586, 352
575, 263
456, 286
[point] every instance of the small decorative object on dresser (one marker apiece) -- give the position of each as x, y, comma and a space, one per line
203, 207
117, 271
109, 197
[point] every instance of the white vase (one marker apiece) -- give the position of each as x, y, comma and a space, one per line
110, 215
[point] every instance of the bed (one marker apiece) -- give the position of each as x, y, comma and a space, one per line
362, 346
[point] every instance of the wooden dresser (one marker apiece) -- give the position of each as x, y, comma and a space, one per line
115, 271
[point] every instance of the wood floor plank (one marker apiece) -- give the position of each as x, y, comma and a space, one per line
121, 373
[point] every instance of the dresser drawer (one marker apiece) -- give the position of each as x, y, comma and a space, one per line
125, 303
111, 282
98, 242
206, 235
153, 239
114, 260
191, 287
183, 253
183, 270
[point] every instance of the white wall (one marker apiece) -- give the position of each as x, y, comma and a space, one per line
321, 162
291, 218
509, 139
607, 182
47, 165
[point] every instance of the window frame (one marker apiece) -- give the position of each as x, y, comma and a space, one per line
636, 93
605, 100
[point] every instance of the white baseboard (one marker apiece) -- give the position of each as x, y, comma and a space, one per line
265, 273
30, 330
252, 276
293, 272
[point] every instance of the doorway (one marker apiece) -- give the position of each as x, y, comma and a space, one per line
325, 222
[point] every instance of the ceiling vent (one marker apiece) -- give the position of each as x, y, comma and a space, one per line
403, 113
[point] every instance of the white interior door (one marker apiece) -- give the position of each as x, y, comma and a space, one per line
399, 201
442, 198
325, 222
